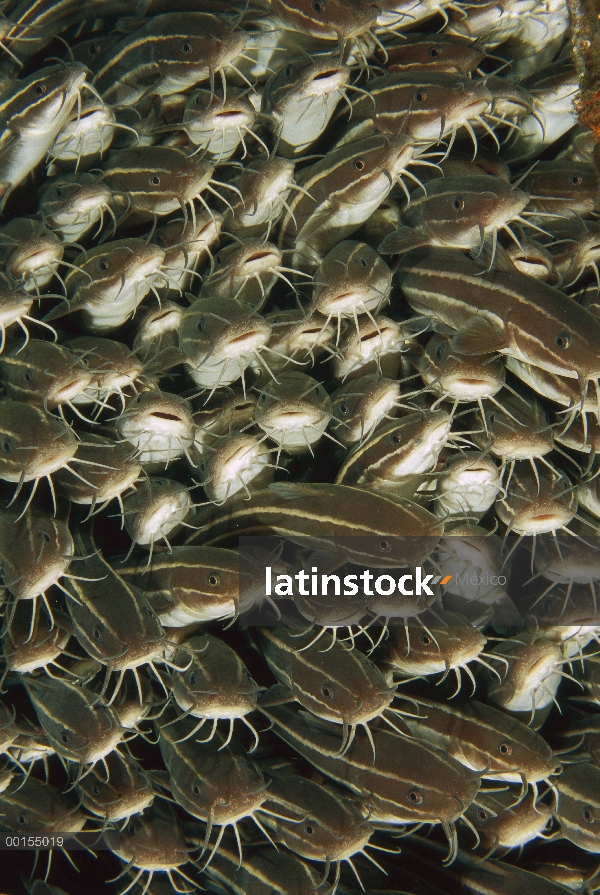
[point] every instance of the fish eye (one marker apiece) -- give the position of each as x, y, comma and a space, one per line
96, 789
563, 340
94, 49
155, 180
193, 679
45, 536
396, 438
27, 377
58, 192
248, 675
6, 446
149, 612
588, 815
213, 580
505, 749
420, 96
97, 633
359, 164
327, 691
481, 814
344, 409
576, 179
200, 326
219, 258
186, 48
439, 352
434, 52
318, 6
309, 829
317, 390
458, 203
263, 397
383, 545
288, 71
196, 789
425, 640
103, 264
39, 89
363, 262
65, 737
415, 797
22, 820
492, 417
131, 829
159, 239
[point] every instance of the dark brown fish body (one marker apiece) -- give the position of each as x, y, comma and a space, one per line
562, 187
509, 313
156, 179
410, 780
436, 53
168, 54
344, 189
127, 791
357, 524
339, 685
44, 373
112, 620
189, 584
79, 726
35, 551
30, 644
485, 739
425, 105
36, 807
71, 204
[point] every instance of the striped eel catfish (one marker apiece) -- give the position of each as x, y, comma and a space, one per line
340, 192
504, 825
169, 54
327, 825
486, 740
155, 842
189, 584
578, 806
264, 872
300, 98
214, 781
128, 789
80, 726
469, 875
33, 114
410, 782
338, 684
112, 620
34, 806
510, 313
352, 524
216, 685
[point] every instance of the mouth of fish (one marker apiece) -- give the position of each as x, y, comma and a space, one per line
294, 419
40, 260
473, 387
245, 343
260, 262
159, 423
70, 390
47, 465
541, 523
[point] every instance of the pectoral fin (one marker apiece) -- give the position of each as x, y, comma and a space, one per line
479, 336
